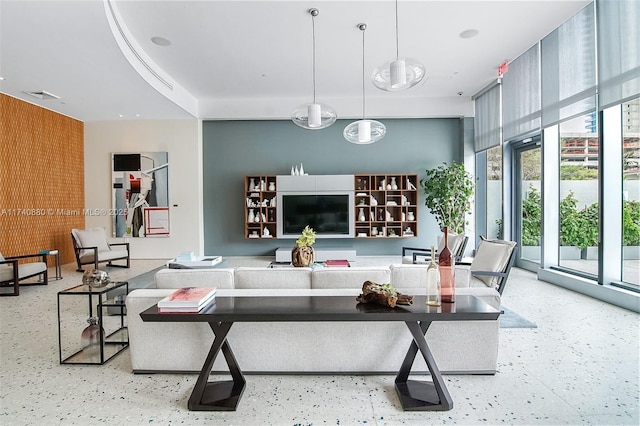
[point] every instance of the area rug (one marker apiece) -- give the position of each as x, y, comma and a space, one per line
510, 319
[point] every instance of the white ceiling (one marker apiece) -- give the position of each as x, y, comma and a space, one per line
252, 59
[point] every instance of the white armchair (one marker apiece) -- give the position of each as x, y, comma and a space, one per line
92, 247
12, 272
491, 264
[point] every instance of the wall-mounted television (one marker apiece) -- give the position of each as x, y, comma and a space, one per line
328, 214
324, 202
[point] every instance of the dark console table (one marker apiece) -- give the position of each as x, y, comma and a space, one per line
414, 395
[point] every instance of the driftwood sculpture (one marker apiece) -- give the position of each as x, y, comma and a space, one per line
383, 294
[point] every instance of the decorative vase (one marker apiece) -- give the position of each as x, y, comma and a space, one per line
433, 281
410, 216
446, 267
394, 185
252, 216
272, 186
374, 230
90, 339
302, 256
95, 278
301, 169
252, 185
361, 216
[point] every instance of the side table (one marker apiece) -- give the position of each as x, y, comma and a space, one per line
101, 312
55, 253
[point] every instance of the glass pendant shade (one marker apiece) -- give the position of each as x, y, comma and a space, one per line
314, 116
364, 132
398, 74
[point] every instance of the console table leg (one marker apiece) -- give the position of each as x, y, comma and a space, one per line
417, 395
223, 395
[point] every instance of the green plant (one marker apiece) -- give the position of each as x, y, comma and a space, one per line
531, 217
307, 238
448, 191
631, 223
573, 172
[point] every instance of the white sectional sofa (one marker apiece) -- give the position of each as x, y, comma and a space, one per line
469, 347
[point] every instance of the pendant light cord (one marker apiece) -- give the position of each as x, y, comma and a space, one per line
397, 42
313, 36
363, 103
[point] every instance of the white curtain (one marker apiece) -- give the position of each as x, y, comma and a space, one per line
618, 51
521, 95
486, 129
568, 63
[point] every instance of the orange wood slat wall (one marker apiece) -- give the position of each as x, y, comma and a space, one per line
41, 179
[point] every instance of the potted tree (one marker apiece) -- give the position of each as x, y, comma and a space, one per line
302, 253
448, 190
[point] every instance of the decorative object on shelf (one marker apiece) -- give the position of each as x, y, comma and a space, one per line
433, 281
388, 216
373, 202
410, 216
301, 170
383, 294
392, 232
374, 230
95, 278
314, 116
252, 184
448, 191
302, 254
399, 73
90, 338
272, 186
361, 216
252, 216
262, 185
364, 131
408, 232
446, 267
383, 185
404, 200
410, 186
403, 215
266, 232
394, 185
293, 172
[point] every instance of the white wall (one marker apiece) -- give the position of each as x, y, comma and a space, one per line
182, 140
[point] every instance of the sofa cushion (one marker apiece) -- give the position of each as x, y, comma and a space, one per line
250, 277
492, 256
177, 278
352, 277
415, 276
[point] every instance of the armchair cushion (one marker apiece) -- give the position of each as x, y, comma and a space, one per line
492, 256
95, 237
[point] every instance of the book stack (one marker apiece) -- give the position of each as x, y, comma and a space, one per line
187, 299
337, 262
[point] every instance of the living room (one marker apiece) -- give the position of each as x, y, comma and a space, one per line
543, 369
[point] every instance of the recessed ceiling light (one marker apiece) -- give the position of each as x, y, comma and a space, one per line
42, 94
1, 78
469, 33
160, 41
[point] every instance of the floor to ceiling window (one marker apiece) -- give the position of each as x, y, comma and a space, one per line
631, 192
578, 203
527, 200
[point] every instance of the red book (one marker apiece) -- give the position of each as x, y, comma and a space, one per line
337, 262
187, 299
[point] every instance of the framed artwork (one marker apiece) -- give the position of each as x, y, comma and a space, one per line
140, 183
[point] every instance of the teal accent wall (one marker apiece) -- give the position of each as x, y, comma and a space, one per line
234, 149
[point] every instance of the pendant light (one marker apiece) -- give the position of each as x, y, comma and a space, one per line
314, 116
364, 131
399, 73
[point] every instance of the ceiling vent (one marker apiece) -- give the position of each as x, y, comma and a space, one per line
43, 95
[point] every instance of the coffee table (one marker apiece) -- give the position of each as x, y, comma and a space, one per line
221, 315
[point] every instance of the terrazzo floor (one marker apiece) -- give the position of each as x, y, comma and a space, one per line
579, 366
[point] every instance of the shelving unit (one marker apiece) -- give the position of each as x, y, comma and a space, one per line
386, 206
260, 209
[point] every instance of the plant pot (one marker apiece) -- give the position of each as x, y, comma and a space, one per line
302, 256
